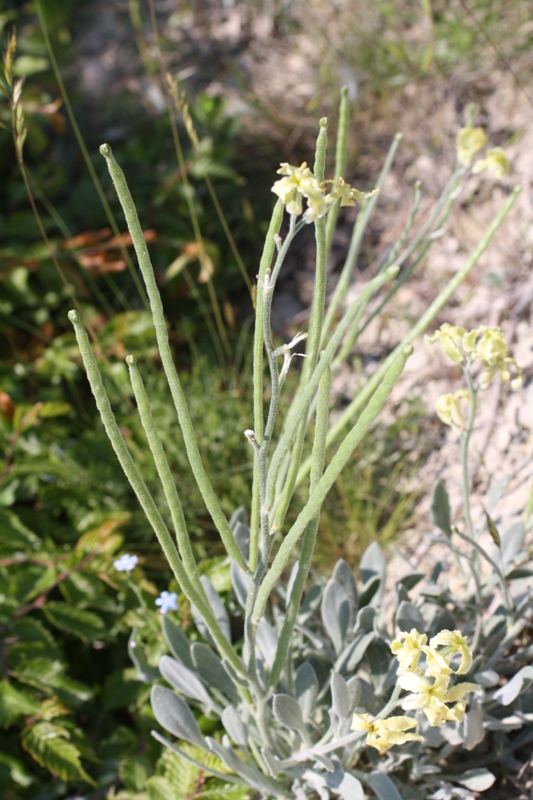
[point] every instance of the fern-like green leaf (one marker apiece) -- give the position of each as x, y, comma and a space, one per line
181, 774
48, 744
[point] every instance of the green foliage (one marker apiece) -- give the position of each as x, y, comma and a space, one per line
48, 743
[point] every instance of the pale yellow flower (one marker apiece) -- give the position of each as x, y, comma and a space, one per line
453, 642
483, 344
346, 194
407, 649
492, 350
385, 733
449, 408
300, 182
436, 665
469, 141
495, 161
450, 338
432, 697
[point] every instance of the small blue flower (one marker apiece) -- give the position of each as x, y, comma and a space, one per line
125, 563
167, 601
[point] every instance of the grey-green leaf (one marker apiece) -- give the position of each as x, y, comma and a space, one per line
340, 697
306, 688
495, 493
382, 786
267, 639
241, 534
440, 509
513, 542
251, 775
218, 609
177, 641
473, 724
146, 673
175, 716
209, 667
288, 712
184, 680
372, 563
352, 655
335, 610
240, 583
369, 591
343, 574
478, 780
239, 515
344, 784
408, 616
234, 725
521, 681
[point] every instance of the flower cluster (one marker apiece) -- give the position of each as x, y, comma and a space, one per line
469, 141
299, 182
484, 345
430, 690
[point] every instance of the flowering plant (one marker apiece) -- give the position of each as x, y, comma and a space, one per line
305, 700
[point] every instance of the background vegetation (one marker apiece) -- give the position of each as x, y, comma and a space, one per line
71, 704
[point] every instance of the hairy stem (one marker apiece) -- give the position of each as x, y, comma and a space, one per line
143, 495
340, 459
189, 436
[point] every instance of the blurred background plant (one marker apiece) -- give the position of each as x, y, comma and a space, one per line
61, 492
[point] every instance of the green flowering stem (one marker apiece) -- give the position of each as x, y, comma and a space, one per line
356, 331
264, 266
391, 705
165, 475
367, 209
309, 537
301, 405
525, 615
391, 258
341, 151
314, 332
338, 462
143, 495
509, 604
268, 293
135, 589
465, 442
189, 436
419, 328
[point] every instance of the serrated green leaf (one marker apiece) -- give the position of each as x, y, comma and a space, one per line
14, 704
48, 745
54, 408
14, 771
82, 590
84, 624
225, 792
134, 772
181, 774
14, 535
160, 788
47, 675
